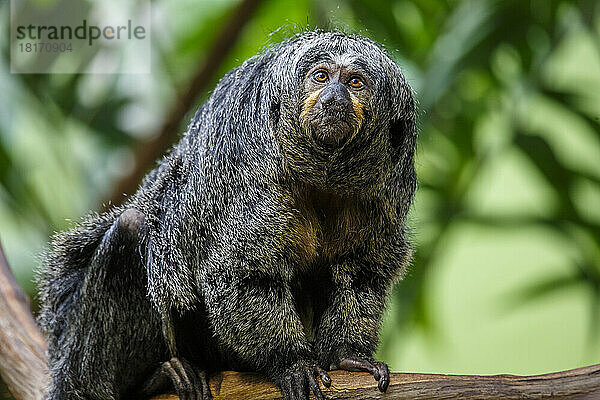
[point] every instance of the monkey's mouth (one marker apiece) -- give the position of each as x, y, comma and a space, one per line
332, 130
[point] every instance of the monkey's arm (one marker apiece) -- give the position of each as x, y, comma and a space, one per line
169, 287
347, 333
254, 318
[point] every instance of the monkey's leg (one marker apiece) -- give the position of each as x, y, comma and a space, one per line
254, 318
347, 333
171, 285
110, 328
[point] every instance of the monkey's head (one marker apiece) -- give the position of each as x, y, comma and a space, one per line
342, 114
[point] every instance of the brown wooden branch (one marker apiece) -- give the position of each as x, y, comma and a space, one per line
573, 384
22, 346
148, 151
23, 368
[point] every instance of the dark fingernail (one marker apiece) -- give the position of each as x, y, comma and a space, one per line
383, 385
325, 378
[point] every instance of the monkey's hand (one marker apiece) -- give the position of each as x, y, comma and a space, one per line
300, 378
189, 382
379, 370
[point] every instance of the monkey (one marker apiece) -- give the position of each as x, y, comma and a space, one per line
267, 239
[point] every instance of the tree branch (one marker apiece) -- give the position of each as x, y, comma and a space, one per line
23, 367
22, 346
148, 151
572, 384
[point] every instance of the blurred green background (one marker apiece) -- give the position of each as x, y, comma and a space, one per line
506, 277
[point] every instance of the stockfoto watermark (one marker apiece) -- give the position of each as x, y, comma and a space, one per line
80, 36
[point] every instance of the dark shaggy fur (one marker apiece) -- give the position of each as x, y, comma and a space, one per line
252, 245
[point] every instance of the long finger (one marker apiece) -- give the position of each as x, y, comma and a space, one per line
181, 372
195, 389
314, 385
206, 394
169, 371
350, 364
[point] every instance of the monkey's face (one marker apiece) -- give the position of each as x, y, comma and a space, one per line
341, 112
334, 105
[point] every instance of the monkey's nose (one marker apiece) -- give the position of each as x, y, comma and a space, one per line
335, 95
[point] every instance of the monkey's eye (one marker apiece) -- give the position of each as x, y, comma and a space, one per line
320, 76
355, 82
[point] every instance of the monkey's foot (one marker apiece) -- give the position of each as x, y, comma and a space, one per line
379, 370
298, 380
189, 383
